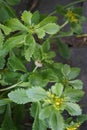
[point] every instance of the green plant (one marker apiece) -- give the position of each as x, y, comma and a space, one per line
49, 88
6, 10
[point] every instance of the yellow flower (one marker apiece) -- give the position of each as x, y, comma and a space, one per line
73, 127
55, 101
72, 16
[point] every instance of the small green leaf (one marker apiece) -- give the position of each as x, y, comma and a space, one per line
51, 28
30, 48
56, 121
35, 17
65, 70
16, 64
45, 112
37, 79
26, 17
77, 84
38, 124
82, 118
33, 109
5, 29
73, 94
46, 46
73, 109
57, 89
2, 62
16, 25
37, 52
36, 94
64, 50
9, 77
19, 96
40, 32
13, 42
73, 73
60, 9
76, 28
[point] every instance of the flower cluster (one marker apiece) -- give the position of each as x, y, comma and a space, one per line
55, 101
72, 16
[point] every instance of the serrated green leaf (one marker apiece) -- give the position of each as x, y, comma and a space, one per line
63, 50
73, 109
33, 109
74, 72
50, 75
51, 28
57, 89
45, 112
56, 121
38, 124
35, 17
16, 25
77, 84
26, 17
13, 42
37, 80
66, 70
37, 52
29, 49
82, 118
73, 94
36, 94
19, 96
29, 40
46, 46
5, 29
16, 64
9, 77
40, 32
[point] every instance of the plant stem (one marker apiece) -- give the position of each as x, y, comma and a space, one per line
13, 86
64, 24
76, 2
52, 13
68, 5
35, 68
82, 35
